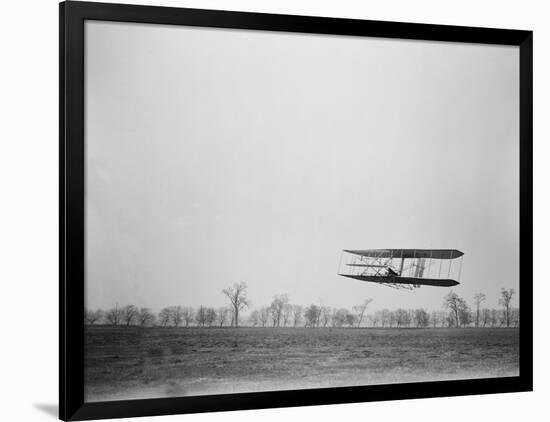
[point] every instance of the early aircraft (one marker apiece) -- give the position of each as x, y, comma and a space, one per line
402, 268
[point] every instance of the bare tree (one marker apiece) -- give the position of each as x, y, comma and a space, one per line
494, 317
465, 314
287, 313
188, 314
383, 316
340, 317
176, 315
264, 315
277, 307
412, 316
485, 317
392, 318
359, 311
434, 319
478, 299
402, 317
273, 313
238, 299
297, 312
254, 318
351, 319
231, 316
454, 303
145, 317
210, 316
130, 314
443, 319
113, 316
451, 320
200, 316
91, 317
421, 318
505, 300
223, 313
311, 314
375, 319
164, 317
325, 315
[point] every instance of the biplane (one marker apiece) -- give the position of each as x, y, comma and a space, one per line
403, 268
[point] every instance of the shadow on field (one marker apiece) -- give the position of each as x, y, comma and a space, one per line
49, 409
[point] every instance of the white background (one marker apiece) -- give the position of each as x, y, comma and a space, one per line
29, 209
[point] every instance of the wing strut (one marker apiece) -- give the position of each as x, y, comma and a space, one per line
460, 267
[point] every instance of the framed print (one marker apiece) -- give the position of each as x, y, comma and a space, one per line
267, 210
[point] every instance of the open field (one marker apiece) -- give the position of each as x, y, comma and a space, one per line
131, 362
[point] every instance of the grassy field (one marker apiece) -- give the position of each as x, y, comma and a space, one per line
130, 362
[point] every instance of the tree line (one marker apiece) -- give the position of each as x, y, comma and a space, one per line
281, 312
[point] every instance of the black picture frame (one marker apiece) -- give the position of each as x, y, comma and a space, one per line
72, 16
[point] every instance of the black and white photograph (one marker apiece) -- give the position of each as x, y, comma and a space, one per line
275, 210
271, 211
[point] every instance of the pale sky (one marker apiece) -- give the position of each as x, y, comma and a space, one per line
219, 156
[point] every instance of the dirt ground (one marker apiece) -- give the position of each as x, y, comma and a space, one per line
130, 362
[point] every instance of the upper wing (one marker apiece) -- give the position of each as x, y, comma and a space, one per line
408, 253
